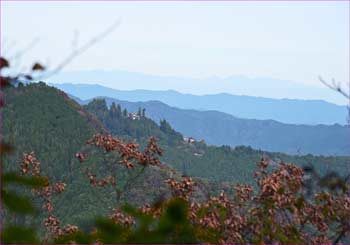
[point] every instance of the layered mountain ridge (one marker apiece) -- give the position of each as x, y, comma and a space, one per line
291, 111
218, 128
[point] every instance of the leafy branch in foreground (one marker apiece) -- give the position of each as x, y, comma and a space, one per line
31, 166
11, 200
129, 155
276, 212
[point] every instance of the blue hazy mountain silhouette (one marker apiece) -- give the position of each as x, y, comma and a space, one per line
293, 111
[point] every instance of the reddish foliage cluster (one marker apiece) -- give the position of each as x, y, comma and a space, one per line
70, 229
52, 223
154, 210
151, 153
242, 193
101, 183
59, 187
129, 152
222, 215
120, 218
80, 156
31, 166
277, 212
285, 180
183, 188
47, 192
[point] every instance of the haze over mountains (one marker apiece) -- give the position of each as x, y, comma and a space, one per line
237, 84
218, 128
290, 111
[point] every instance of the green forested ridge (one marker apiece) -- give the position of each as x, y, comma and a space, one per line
218, 128
37, 118
198, 159
43, 119
204, 117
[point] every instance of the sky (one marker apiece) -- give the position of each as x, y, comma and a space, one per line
295, 41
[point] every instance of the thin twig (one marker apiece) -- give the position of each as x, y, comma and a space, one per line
79, 51
23, 51
336, 87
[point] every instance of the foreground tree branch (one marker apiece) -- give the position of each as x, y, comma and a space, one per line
39, 71
336, 86
80, 50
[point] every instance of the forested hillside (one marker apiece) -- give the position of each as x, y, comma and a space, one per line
218, 128
174, 123
197, 158
44, 120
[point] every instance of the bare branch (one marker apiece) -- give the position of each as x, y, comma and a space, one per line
79, 50
335, 86
24, 50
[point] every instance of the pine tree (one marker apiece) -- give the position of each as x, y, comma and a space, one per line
139, 112
119, 110
125, 113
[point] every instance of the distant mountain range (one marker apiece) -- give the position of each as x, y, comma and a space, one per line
218, 128
237, 84
291, 111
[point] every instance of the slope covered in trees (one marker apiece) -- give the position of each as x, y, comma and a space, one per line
218, 128
43, 119
197, 158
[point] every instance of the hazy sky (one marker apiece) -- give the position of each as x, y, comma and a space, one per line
287, 40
